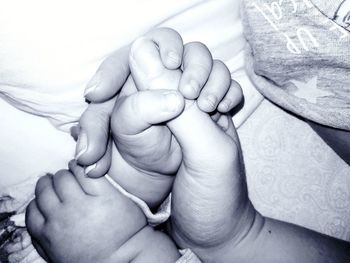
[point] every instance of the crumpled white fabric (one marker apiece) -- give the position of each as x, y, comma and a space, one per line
153, 219
48, 52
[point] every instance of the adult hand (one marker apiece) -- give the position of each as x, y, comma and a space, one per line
93, 132
102, 90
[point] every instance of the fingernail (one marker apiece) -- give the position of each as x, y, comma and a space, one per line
174, 57
82, 145
172, 101
89, 90
211, 100
92, 84
90, 168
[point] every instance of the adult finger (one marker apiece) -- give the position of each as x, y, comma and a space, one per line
94, 133
102, 166
197, 65
91, 186
233, 97
216, 87
139, 111
110, 77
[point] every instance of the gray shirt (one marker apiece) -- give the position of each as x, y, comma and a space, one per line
299, 56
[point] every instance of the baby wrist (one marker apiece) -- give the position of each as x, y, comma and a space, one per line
240, 246
242, 234
147, 245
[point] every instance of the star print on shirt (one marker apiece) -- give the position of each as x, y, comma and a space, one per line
309, 90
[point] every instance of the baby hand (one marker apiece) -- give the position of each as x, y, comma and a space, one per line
153, 148
197, 65
193, 58
77, 219
145, 155
199, 76
211, 210
210, 201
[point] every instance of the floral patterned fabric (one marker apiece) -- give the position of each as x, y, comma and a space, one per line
293, 175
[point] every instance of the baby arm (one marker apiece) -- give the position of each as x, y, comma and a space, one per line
78, 219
